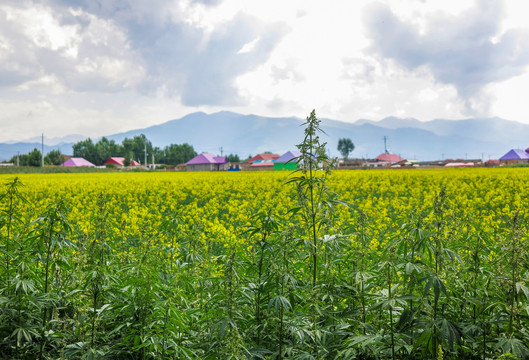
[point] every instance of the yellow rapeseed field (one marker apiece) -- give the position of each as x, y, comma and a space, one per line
221, 203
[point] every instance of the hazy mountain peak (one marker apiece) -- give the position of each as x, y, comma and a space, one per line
229, 132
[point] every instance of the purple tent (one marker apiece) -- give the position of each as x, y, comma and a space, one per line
77, 162
515, 154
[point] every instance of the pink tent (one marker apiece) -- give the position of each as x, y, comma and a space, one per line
77, 162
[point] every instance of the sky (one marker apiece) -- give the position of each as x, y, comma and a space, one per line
98, 67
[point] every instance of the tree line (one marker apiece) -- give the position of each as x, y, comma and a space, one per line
132, 149
136, 148
99, 152
34, 158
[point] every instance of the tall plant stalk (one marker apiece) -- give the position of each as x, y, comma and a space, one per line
7, 215
52, 229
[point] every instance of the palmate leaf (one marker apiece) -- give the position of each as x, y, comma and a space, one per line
520, 286
437, 284
304, 356
514, 346
405, 320
25, 334
364, 344
450, 332
452, 255
426, 342
411, 268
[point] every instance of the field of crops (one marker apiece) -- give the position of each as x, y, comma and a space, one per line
380, 264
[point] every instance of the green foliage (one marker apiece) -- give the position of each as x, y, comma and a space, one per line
137, 147
87, 150
345, 147
132, 149
33, 158
233, 158
176, 154
54, 157
106, 149
128, 158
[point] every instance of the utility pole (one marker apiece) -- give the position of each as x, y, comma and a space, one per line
221, 151
18, 158
385, 144
152, 162
42, 155
145, 163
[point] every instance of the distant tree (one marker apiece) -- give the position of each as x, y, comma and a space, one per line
128, 158
176, 154
54, 157
34, 158
137, 146
87, 150
101, 151
345, 146
106, 149
233, 158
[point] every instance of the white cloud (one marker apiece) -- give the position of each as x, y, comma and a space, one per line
509, 98
118, 64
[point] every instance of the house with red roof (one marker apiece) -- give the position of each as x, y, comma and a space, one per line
262, 165
389, 157
264, 161
207, 162
120, 161
263, 156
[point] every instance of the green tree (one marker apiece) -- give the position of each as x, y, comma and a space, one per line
54, 157
87, 150
233, 158
176, 154
128, 158
345, 146
137, 146
34, 158
106, 149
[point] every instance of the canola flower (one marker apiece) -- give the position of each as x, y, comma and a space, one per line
222, 203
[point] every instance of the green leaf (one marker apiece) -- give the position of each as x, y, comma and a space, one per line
525, 290
514, 346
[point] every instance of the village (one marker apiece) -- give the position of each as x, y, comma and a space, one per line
288, 161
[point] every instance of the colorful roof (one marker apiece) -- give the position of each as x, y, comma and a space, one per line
263, 156
77, 162
286, 157
207, 158
515, 154
121, 161
263, 163
389, 157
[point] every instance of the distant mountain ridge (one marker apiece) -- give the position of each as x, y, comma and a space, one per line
228, 132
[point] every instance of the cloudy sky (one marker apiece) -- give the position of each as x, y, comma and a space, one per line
97, 67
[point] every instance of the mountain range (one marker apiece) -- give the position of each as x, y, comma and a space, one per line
228, 132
